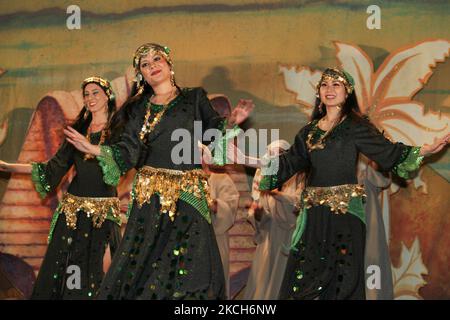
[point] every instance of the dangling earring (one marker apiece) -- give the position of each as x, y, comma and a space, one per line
172, 78
86, 114
320, 104
139, 83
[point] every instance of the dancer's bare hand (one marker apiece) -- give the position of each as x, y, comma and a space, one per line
241, 112
437, 145
80, 142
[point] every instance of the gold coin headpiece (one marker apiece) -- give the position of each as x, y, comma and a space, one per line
336, 74
103, 83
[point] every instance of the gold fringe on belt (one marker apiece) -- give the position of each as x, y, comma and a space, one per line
169, 184
335, 197
98, 208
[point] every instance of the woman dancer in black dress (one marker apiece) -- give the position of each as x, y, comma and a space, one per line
87, 219
169, 249
326, 260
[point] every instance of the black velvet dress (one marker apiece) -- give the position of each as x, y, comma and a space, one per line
328, 260
160, 258
83, 248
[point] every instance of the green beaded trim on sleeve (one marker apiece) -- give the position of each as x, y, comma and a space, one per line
39, 178
111, 171
118, 158
269, 180
268, 183
408, 165
220, 147
404, 154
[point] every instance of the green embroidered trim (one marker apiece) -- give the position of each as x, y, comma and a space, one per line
299, 228
335, 133
53, 224
198, 203
39, 178
220, 146
316, 131
111, 171
268, 183
224, 147
111, 217
409, 164
404, 154
355, 207
118, 158
159, 107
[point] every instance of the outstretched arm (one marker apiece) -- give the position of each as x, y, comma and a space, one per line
435, 147
15, 167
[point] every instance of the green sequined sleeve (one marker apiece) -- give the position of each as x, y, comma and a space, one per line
118, 158
268, 183
39, 178
219, 152
110, 168
268, 175
409, 162
46, 176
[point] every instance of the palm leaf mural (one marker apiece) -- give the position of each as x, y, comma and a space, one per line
408, 276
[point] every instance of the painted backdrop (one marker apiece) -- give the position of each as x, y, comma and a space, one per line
270, 51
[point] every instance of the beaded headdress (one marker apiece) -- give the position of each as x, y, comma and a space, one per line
339, 75
144, 50
103, 83
150, 48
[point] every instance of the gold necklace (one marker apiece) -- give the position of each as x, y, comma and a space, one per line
320, 144
148, 125
88, 156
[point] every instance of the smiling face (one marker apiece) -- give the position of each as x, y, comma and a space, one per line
332, 93
95, 99
155, 69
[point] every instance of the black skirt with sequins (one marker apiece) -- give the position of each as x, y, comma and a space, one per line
72, 268
73, 264
161, 259
328, 261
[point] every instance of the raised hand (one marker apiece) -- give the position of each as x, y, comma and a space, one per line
80, 142
438, 145
241, 112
